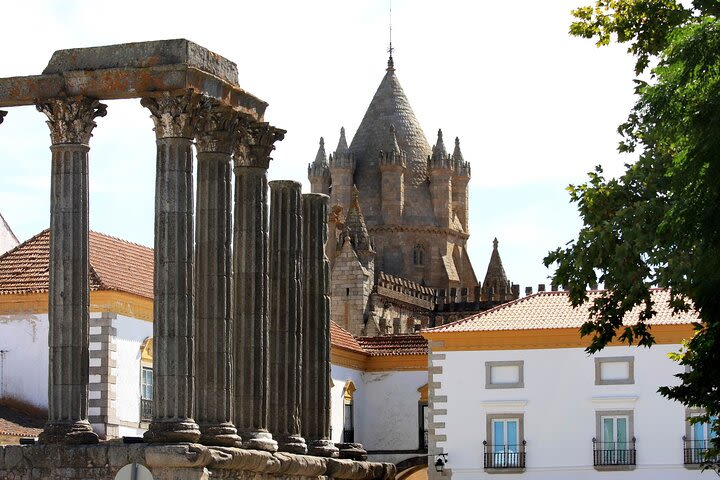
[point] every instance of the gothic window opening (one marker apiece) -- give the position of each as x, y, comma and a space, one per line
419, 255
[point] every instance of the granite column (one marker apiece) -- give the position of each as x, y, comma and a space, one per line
250, 284
174, 117
315, 413
215, 132
71, 124
286, 315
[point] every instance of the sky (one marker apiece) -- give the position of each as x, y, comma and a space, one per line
535, 109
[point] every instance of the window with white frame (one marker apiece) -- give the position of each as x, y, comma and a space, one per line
505, 446
614, 444
146, 393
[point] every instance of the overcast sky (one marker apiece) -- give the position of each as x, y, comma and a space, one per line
534, 108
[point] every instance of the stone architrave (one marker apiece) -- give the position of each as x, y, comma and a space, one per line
250, 284
285, 319
174, 117
71, 125
216, 131
315, 417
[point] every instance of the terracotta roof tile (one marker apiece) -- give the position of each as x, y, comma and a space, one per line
115, 264
16, 424
553, 310
339, 337
385, 345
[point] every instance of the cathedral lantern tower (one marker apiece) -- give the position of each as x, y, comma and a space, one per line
460, 180
319, 171
392, 170
342, 169
441, 183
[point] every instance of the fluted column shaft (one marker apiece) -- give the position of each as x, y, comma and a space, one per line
315, 413
173, 328
286, 315
213, 276
71, 124
250, 287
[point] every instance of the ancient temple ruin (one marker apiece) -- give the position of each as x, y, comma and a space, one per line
256, 413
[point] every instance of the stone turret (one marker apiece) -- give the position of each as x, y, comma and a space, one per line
319, 171
392, 168
496, 286
342, 168
353, 271
460, 179
441, 182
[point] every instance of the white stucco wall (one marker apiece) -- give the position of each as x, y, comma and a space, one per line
340, 376
130, 334
24, 358
559, 402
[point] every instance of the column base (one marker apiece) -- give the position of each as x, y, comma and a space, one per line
323, 448
292, 444
220, 435
68, 433
259, 440
172, 431
352, 451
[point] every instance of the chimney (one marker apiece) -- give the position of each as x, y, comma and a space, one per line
553, 287
515, 291
528, 291
541, 287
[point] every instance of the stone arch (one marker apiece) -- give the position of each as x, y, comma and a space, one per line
410, 465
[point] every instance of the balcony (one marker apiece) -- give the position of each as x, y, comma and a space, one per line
146, 410
504, 458
614, 455
694, 453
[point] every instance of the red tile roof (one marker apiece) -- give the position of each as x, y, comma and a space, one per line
115, 264
385, 345
16, 424
548, 310
339, 337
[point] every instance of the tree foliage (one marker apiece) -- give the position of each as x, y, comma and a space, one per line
659, 223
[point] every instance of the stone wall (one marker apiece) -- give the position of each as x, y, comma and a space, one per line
177, 462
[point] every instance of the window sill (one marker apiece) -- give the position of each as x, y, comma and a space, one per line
504, 470
614, 468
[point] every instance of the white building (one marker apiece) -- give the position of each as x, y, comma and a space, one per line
379, 392
512, 391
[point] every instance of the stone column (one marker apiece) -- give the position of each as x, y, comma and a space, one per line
315, 413
71, 124
173, 330
286, 315
216, 130
250, 287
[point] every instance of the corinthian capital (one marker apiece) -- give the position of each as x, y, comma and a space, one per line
217, 127
71, 120
2, 115
174, 116
256, 143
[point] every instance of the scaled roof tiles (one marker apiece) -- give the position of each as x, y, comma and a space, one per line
115, 264
547, 310
386, 345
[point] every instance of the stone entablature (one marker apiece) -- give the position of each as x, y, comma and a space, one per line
405, 291
171, 462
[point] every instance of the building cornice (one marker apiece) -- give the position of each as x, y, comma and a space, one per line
418, 229
539, 338
121, 303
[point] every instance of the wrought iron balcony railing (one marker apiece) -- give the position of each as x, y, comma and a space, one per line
613, 453
146, 410
695, 452
504, 456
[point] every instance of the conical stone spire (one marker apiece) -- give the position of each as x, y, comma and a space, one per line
355, 227
342, 149
496, 282
457, 154
321, 157
439, 150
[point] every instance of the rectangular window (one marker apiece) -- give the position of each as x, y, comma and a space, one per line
698, 440
146, 393
614, 444
505, 447
423, 421
507, 374
614, 370
348, 423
